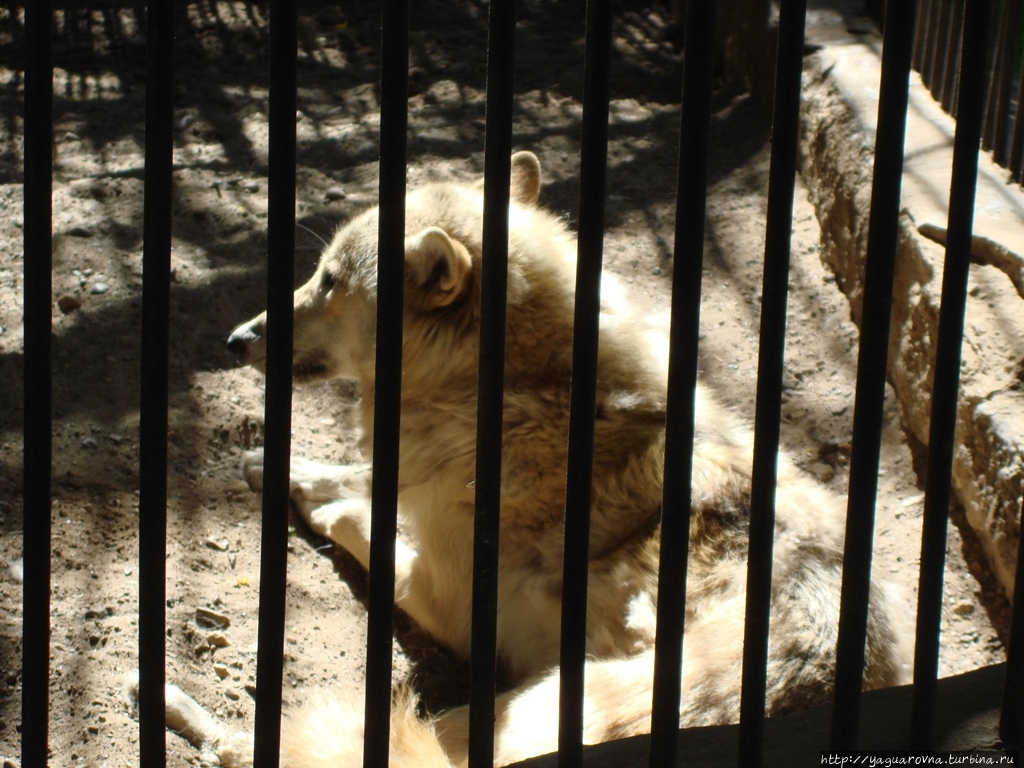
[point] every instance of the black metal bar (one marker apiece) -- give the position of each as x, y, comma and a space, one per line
394, 86
931, 40
684, 332
1011, 720
997, 55
278, 403
947, 370
921, 33
935, 78
156, 299
494, 282
1017, 143
38, 207
768, 411
582, 397
1002, 80
952, 64
883, 227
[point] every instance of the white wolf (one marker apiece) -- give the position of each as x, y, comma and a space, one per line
334, 337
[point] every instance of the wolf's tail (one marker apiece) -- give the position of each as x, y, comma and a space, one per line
328, 732
618, 691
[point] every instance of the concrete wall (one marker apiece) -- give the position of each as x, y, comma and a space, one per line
839, 112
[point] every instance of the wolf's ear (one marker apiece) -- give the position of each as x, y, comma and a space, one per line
525, 178
525, 185
437, 268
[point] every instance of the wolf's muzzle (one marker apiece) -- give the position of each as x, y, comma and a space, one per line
241, 338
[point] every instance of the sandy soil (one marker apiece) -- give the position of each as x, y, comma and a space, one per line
219, 273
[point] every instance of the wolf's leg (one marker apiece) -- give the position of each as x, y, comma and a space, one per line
347, 524
186, 717
311, 480
617, 703
333, 502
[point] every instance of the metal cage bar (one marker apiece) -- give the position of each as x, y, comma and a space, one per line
883, 224
768, 409
920, 32
38, 207
952, 66
277, 407
493, 289
997, 54
931, 38
1011, 720
1002, 80
582, 395
941, 52
155, 340
1017, 142
388, 385
684, 332
945, 389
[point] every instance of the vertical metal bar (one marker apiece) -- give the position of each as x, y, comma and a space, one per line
935, 79
156, 299
582, 397
1017, 143
768, 411
278, 402
921, 33
1011, 720
38, 207
883, 226
932, 29
1002, 80
952, 64
394, 86
494, 282
997, 55
947, 370
684, 332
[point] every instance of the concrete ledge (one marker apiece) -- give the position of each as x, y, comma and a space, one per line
967, 717
839, 113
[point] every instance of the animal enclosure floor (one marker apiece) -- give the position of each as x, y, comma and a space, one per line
219, 273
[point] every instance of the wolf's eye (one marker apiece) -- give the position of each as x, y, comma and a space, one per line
327, 281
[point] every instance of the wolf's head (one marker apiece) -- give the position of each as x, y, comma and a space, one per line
335, 311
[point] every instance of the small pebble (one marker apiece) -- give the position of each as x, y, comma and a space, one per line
251, 186
221, 670
823, 471
218, 640
68, 304
99, 288
90, 443
209, 618
232, 694
335, 193
964, 609
80, 232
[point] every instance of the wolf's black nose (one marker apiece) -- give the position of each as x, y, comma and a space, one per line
237, 344
241, 338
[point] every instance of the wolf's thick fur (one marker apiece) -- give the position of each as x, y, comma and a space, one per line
334, 337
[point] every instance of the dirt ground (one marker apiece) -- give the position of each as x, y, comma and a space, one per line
216, 409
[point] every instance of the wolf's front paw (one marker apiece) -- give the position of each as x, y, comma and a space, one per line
252, 469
